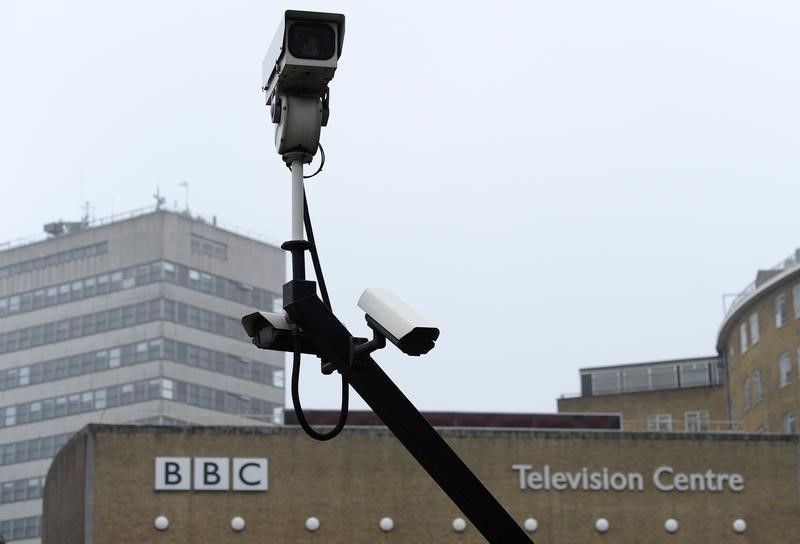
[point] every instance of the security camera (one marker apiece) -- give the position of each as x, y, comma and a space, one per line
398, 322
302, 58
296, 71
273, 331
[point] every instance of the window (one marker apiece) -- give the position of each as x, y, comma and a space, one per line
659, 422
754, 336
780, 311
758, 391
605, 382
696, 421
278, 378
796, 300
785, 369
746, 391
210, 247
277, 415
694, 375
743, 338
790, 423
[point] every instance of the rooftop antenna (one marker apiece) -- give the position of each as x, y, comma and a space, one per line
160, 200
185, 185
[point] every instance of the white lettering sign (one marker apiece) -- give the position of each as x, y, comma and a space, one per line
211, 474
664, 478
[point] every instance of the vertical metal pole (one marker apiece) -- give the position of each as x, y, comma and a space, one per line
297, 200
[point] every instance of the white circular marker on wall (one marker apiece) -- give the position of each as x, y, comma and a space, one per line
386, 524
530, 525
601, 525
161, 523
740, 525
312, 524
237, 524
671, 525
459, 525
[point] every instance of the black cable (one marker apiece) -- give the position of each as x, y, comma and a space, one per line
314, 255
298, 409
296, 356
321, 162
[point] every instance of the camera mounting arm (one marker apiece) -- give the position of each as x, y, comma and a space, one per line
334, 343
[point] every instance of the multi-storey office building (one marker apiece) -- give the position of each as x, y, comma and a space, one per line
134, 320
752, 385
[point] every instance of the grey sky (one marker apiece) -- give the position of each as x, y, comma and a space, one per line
557, 185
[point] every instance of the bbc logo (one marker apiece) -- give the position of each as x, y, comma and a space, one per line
211, 474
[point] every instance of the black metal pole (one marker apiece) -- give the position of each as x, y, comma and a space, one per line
334, 343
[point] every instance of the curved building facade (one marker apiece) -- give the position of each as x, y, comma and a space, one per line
759, 341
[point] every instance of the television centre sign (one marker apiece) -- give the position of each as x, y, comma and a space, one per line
211, 474
664, 478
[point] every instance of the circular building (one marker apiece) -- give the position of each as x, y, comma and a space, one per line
759, 341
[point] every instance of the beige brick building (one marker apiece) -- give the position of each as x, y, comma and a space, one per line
101, 488
751, 385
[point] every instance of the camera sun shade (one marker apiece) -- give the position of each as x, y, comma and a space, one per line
302, 58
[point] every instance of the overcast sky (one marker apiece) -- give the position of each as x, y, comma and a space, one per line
555, 184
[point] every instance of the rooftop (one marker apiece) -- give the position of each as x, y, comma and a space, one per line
65, 228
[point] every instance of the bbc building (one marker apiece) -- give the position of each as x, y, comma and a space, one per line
128, 320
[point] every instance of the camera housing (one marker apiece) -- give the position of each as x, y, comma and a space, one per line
398, 322
302, 58
273, 331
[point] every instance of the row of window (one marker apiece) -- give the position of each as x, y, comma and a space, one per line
211, 247
21, 490
43, 447
749, 333
136, 276
123, 316
54, 259
140, 391
141, 352
652, 377
753, 388
21, 528
693, 422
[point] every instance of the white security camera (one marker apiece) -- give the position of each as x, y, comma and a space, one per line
397, 321
302, 58
273, 331
297, 69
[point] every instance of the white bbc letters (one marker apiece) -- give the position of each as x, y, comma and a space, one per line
173, 473
249, 474
211, 474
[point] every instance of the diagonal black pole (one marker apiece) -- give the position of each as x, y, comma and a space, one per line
334, 344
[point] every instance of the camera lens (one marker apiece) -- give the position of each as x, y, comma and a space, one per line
315, 41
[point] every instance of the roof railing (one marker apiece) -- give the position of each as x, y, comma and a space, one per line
789, 263
122, 216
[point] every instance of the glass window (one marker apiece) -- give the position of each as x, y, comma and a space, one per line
659, 422
636, 379
746, 391
278, 378
790, 423
743, 338
605, 382
785, 369
796, 300
10, 416
780, 310
754, 333
694, 374
758, 391
697, 421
